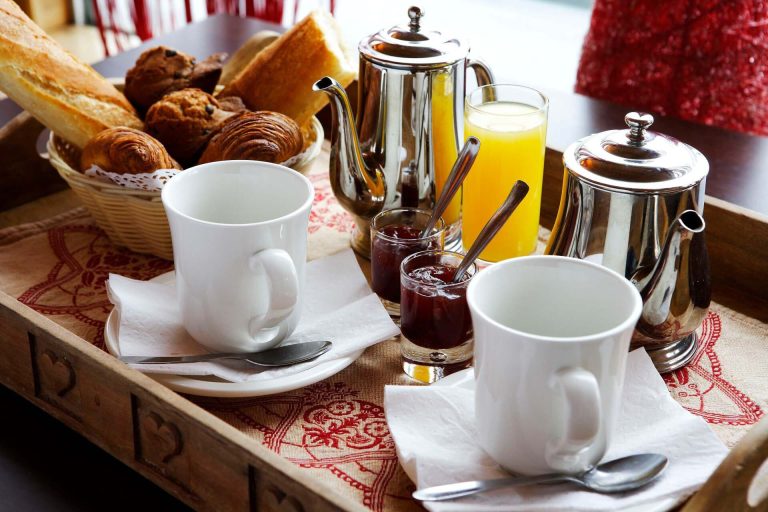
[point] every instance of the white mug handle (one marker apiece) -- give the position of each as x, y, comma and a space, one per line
583, 416
283, 288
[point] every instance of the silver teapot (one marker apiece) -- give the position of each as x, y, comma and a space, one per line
632, 201
409, 123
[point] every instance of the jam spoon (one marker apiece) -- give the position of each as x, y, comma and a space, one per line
460, 170
513, 200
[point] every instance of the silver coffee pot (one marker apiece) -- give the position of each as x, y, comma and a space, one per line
632, 201
409, 123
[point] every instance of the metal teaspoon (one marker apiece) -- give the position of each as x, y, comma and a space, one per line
620, 475
516, 195
280, 356
461, 168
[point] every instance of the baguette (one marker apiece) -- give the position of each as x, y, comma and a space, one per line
280, 77
64, 94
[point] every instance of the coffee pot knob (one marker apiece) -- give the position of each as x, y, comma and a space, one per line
415, 14
638, 122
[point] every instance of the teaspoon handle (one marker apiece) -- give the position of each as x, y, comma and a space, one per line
515, 197
461, 168
459, 489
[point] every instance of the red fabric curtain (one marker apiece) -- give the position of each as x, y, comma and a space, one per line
700, 60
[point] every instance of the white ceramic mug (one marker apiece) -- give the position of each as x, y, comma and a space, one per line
551, 341
239, 231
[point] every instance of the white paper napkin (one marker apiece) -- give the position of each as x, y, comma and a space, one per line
434, 431
338, 306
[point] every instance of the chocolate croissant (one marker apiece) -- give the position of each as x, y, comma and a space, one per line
126, 151
266, 136
184, 121
161, 70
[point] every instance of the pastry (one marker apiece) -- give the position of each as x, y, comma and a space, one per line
243, 56
161, 70
280, 77
265, 136
125, 151
64, 94
184, 121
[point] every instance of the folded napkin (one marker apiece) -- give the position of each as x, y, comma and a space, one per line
434, 431
338, 305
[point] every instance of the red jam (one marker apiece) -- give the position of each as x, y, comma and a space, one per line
432, 314
387, 255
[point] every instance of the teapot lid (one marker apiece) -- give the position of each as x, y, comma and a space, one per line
411, 47
636, 160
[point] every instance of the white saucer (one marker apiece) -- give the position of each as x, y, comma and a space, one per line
213, 386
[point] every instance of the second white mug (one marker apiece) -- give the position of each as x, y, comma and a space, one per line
551, 341
239, 231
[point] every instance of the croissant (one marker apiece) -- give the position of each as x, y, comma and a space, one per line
184, 121
266, 136
161, 70
126, 151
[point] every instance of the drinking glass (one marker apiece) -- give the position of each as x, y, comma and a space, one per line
511, 123
395, 235
434, 316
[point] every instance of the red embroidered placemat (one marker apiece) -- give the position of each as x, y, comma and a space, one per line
336, 429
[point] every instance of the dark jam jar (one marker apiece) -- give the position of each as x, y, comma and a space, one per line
434, 316
395, 235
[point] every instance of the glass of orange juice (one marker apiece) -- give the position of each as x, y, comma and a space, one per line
511, 123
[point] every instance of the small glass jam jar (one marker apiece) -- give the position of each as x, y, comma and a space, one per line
395, 235
434, 316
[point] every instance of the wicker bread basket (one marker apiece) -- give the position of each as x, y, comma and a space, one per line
135, 218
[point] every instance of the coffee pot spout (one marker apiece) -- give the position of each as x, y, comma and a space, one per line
359, 188
676, 291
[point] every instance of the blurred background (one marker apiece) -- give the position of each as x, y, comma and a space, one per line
517, 37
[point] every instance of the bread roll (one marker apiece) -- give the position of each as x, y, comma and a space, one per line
280, 77
264, 136
184, 121
243, 56
64, 94
125, 151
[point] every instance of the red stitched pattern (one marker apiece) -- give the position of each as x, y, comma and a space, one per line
701, 388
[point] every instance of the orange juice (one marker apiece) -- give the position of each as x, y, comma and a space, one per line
512, 142
444, 140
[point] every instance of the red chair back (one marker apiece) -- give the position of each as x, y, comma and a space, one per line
146, 19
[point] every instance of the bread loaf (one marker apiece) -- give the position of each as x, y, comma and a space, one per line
64, 94
280, 77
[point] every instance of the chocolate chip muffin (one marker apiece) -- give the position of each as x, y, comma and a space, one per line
161, 70
184, 122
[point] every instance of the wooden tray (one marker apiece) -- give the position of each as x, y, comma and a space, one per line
210, 465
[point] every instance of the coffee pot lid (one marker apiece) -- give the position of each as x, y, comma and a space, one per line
636, 160
410, 46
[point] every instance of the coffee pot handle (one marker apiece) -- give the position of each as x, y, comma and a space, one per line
583, 416
283, 281
483, 73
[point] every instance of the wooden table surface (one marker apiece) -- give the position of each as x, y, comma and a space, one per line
49, 481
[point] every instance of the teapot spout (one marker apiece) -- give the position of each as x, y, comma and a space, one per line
676, 292
360, 189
